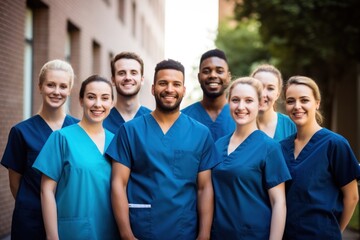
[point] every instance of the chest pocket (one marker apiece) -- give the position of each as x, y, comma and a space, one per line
185, 164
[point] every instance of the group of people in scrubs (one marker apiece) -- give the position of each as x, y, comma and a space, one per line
227, 167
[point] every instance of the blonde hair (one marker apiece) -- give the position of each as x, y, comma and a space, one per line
56, 64
271, 69
302, 80
255, 83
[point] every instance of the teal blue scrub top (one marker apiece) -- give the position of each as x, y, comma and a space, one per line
223, 125
83, 176
241, 183
115, 120
162, 187
285, 127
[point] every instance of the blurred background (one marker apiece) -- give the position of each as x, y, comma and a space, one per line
316, 38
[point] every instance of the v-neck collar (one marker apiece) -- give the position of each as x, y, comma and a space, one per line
92, 142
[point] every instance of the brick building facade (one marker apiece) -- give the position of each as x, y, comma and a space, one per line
87, 33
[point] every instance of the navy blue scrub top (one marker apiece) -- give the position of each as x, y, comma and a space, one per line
313, 196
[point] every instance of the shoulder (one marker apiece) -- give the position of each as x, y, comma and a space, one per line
34, 120
192, 122
332, 137
284, 118
191, 108
71, 120
144, 110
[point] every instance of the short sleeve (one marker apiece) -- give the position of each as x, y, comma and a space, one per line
276, 170
210, 156
119, 148
15, 152
51, 157
343, 162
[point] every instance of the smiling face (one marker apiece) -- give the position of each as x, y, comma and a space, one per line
128, 79
214, 77
301, 105
271, 91
55, 88
168, 90
244, 104
97, 101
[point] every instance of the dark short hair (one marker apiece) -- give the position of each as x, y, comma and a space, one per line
213, 53
94, 78
127, 55
169, 64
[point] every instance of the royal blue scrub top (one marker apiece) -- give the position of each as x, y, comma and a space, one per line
223, 124
83, 175
162, 187
115, 120
314, 198
24, 144
285, 127
241, 183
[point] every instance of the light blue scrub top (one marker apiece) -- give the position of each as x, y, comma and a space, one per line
83, 175
313, 197
114, 120
241, 183
162, 187
223, 124
284, 127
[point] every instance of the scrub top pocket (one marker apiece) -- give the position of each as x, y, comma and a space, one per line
185, 165
140, 219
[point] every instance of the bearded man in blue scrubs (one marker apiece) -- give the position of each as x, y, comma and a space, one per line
161, 171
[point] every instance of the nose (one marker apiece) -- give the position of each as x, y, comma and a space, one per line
297, 105
241, 105
97, 102
57, 90
169, 88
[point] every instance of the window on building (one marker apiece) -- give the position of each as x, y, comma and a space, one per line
133, 16
96, 57
122, 10
28, 59
72, 53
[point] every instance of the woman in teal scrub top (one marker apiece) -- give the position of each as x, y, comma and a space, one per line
249, 182
75, 186
275, 124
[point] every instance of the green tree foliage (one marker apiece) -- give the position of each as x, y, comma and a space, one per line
242, 44
316, 38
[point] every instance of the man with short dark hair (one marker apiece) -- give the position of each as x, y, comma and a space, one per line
213, 111
161, 173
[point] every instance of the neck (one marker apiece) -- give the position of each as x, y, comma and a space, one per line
265, 118
127, 106
214, 104
51, 114
91, 128
306, 132
243, 131
165, 117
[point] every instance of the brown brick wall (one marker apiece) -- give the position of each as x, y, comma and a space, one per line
11, 90
89, 21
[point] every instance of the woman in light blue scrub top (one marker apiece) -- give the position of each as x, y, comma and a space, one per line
249, 183
25, 142
76, 176
323, 192
275, 124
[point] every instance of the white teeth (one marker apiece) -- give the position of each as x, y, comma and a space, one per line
213, 84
